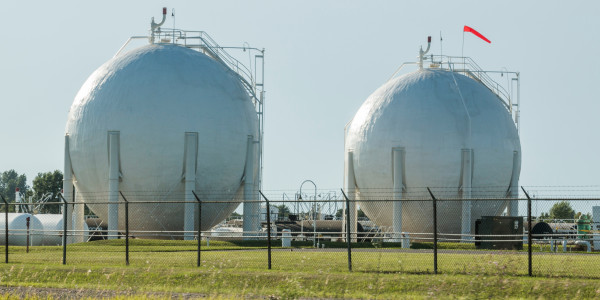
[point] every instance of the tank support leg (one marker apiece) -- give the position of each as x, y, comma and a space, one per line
251, 204
398, 172
68, 182
513, 205
190, 154
351, 190
113, 184
466, 179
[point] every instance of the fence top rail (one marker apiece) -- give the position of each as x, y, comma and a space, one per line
439, 199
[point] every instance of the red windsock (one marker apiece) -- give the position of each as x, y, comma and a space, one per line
473, 31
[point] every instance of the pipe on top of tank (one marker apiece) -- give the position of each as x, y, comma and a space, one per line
422, 53
154, 25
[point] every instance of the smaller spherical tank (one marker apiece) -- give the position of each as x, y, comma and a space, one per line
433, 115
18, 231
152, 96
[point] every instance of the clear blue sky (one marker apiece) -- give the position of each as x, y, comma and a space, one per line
323, 59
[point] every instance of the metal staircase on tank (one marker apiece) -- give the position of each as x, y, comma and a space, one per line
468, 67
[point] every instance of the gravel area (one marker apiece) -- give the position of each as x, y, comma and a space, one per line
56, 293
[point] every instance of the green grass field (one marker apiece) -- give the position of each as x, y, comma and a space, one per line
239, 269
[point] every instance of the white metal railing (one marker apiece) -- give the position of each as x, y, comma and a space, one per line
469, 67
201, 41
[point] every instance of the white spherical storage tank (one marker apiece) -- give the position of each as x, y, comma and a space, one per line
153, 97
18, 231
439, 129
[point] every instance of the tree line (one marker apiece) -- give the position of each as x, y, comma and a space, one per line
44, 184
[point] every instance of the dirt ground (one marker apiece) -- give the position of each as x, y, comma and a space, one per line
56, 293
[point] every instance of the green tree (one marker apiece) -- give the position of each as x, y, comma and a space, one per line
360, 214
284, 211
48, 183
544, 216
562, 210
9, 181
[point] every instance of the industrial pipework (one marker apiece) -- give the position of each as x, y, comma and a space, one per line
422, 53
154, 26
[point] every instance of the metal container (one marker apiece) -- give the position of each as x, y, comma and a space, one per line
20, 230
437, 120
499, 225
153, 96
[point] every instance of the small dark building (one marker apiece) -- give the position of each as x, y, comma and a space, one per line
498, 226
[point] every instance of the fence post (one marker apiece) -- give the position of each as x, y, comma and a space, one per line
529, 236
268, 229
435, 238
348, 231
5, 228
199, 224
64, 238
126, 228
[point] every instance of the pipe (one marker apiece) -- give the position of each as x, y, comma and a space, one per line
586, 243
154, 25
422, 53
18, 200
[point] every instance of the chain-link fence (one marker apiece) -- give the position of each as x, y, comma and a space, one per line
538, 234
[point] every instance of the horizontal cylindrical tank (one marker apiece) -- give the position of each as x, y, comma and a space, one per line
450, 129
18, 231
52, 231
153, 96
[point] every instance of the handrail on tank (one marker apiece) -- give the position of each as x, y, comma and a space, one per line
471, 69
210, 47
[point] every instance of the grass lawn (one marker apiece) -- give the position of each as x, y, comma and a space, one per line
233, 270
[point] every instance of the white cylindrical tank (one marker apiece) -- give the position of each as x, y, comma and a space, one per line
434, 116
52, 229
152, 96
17, 230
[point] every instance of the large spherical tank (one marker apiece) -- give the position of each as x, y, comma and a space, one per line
152, 96
17, 230
433, 115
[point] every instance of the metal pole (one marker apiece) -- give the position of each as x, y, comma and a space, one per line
126, 228
65, 220
199, 224
28, 241
435, 252
529, 238
348, 231
314, 211
5, 229
268, 229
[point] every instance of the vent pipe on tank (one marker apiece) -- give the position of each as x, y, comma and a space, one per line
154, 25
422, 53
18, 199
